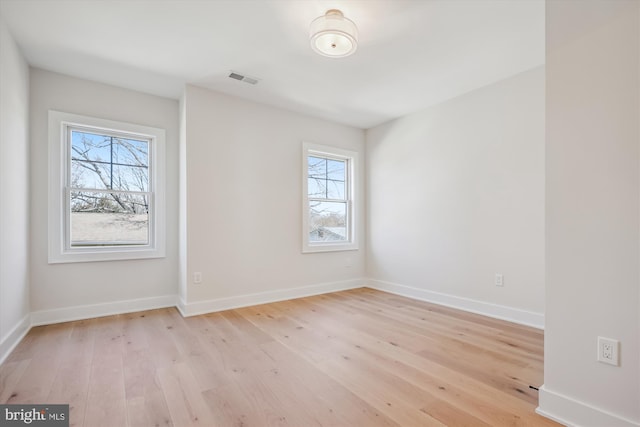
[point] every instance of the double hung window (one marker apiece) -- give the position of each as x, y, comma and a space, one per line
328, 194
106, 190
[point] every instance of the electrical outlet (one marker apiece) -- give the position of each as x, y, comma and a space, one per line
499, 279
197, 277
608, 351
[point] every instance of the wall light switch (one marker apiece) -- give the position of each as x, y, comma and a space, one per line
197, 277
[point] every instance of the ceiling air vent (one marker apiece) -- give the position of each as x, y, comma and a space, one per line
243, 78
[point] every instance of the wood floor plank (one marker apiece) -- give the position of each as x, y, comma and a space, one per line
502, 369
354, 358
208, 361
71, 384
380, 388
106, 404
10, 375
448, 396
230, 407
145, 400
471, 332
44, 355
186, 403
163, 348
325, 318
336, 399
71, 387
149, 410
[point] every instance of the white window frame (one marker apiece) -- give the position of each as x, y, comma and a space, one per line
60, 250
351, 158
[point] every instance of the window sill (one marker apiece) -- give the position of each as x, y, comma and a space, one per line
309, 249
105, 254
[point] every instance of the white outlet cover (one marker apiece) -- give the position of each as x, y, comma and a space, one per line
609, 351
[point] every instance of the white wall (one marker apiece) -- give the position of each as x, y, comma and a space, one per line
14, 192
243, 213
593, 211
456, 194
61, 286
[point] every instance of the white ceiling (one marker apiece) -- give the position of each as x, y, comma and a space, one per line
412, 53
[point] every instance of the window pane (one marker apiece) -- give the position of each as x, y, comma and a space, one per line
130, 152
90, 146
103, 219
130, 178
88, 175
108, 162
327, 221
336, 169
317, 188
317, 167
335, 189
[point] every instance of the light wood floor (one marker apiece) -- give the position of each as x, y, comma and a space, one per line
357, 358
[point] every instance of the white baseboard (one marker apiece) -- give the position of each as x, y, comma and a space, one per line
220, 304
13, 338
68, 314
576, 413
496, 311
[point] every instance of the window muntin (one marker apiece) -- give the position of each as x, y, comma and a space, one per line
328, 199
106, 190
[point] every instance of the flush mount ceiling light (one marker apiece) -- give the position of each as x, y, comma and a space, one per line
333, 35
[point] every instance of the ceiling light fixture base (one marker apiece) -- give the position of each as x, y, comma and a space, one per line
333, 35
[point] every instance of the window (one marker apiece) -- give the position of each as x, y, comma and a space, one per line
106, 193
328, 199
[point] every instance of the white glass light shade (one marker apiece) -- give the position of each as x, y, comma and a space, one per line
334, 35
